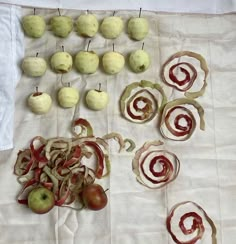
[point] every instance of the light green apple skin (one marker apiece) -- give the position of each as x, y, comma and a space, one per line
68, 97
112, 27
97, 100
61, 62
139, 61
34, 66
34, 25
138, 28
87, 25
113, 62
41, 200
86, 62
61, 25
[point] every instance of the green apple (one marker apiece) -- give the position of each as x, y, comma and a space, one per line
139, 61
112, 27
34, 66
61, 62
34, 25
39, 102
138, 28
86, 62
68, 97
97, 99
41, 200
61, 25
113, 62
87, 25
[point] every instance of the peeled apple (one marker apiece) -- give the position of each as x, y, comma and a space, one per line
61, 62
68, 97
112, 27
39, 102
34, 66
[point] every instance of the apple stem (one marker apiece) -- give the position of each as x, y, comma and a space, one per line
87, 12
143, 46
140, 11
37, 54
114, 13
88, 45
106, 190
34, 11
99, 86
37, 89
63, 48
59, 12
113, 47
68, 84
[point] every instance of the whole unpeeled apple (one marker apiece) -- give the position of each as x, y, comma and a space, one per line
61, 62
94, 197
86, 62
113, 62
41, 200
39, 102
61, 25
34, 66
34, 25
68, 97
139, 61
112, 27
87, 25
96, 99
138, 28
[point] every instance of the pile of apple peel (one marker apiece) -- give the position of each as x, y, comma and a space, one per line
65, 166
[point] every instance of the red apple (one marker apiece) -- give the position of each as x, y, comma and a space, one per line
94, 197
41, 200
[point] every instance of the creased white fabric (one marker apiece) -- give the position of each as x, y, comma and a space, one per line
183, 6
11, 51
134, 215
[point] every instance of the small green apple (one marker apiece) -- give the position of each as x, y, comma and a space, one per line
86, 62
87, 25
41, 200
97, 99
39, 102
139, 61
34, 25
112, 27
68, 97
113, 62
61, 62
138, 28
34, 66
61, 25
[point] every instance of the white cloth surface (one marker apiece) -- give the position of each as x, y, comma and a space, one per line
185, 6
134, 215
11, 50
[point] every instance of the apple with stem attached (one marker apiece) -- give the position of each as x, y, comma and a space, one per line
41, 200
111, 27
61, 62
34, 25
138, 27
87, 25
34, 66
97, 99
68, 97
61, 25
139, 60
94, 197
86, 62
39, 102
113, 62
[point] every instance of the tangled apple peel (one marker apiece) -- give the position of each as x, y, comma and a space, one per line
58, 163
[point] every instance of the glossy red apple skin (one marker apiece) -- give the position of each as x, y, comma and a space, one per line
41, 200
94, 197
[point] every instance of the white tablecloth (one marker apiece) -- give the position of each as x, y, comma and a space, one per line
134, 214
